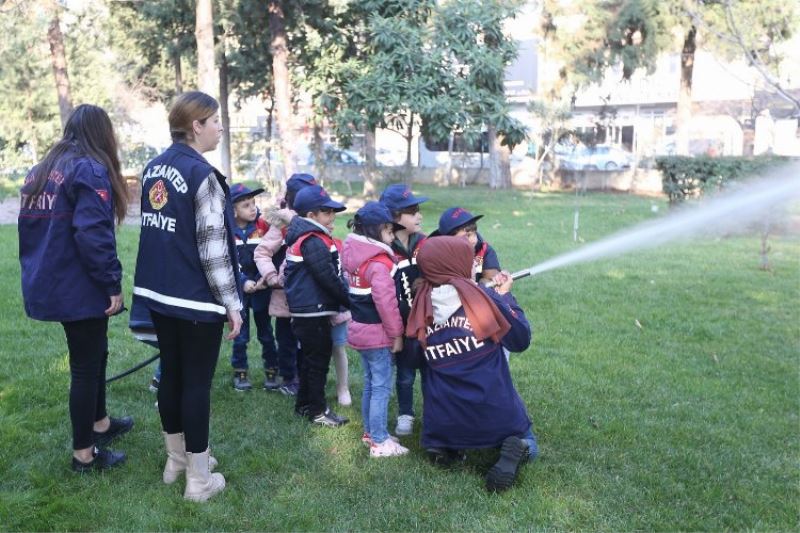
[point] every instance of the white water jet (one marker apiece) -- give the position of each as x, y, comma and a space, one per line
742, 205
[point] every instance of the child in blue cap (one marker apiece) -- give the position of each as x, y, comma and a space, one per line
249, 230
376, 328
315, 291
459, 222
404, 207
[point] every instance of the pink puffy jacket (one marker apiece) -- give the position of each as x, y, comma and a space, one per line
357, 250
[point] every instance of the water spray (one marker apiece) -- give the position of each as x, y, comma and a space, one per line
741, 205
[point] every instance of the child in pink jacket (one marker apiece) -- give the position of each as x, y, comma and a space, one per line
376, 328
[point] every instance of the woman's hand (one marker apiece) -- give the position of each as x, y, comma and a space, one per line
502, 282
234, 324
116, 305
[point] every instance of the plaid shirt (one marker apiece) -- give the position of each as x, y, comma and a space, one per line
212, 243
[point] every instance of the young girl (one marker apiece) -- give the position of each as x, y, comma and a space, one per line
376, 328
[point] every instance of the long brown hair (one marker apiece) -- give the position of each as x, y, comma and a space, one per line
88, 132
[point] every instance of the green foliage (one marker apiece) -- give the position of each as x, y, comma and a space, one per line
31, 121
29, 104
246, 27
687, 177
687, 421
475, 53
149, 38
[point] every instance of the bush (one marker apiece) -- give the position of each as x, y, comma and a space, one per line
687, 177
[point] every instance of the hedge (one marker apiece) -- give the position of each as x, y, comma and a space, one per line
688, 177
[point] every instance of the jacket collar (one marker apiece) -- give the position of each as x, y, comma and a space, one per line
317, 224
187, 150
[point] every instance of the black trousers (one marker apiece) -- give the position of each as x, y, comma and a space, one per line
189, 353
314, 334
87, 341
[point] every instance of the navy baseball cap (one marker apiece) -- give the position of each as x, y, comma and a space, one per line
375, 213
298, 181
240, 191
454, 218
399, 196
312, 198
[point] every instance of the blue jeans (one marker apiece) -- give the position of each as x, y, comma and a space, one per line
405, 389
264, 333
377, 365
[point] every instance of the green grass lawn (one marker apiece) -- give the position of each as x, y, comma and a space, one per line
663, 385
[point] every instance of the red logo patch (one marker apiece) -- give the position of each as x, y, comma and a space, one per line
102, 193
457, 213
406, 192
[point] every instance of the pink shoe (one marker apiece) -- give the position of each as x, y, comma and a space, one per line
367, 440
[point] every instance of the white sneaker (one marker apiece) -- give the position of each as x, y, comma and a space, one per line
405, 425
387, 448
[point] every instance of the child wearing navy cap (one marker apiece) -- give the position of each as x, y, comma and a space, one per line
459, 222
249, 229
315, 291
404, 207
376, 328
270, 257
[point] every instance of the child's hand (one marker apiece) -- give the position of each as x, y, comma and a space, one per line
261, 284
502, 282
397, 345
249, 286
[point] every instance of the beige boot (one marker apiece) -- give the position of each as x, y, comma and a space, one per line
176, 457
201, 484
342, 388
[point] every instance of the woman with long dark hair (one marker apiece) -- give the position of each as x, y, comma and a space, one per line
186, 275
70, 270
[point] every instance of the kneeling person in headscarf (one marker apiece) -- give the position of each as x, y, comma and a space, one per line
469, 399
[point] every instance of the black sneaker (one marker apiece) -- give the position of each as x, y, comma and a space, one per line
502, 475
271, 379
102, 460
289, 388
240, 381
154, 384
118, 427
446, 457
329, 419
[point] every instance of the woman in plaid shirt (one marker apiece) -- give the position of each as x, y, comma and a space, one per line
185, 274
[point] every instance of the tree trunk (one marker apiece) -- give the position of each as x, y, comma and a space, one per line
684, 111
225, 145
505, 165
58, 58
319, 150
207, 79
280, 74
495, 175
409, 138
449, 167
176, 62
369, 172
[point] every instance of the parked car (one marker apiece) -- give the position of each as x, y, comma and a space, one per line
598, 157
337, 156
